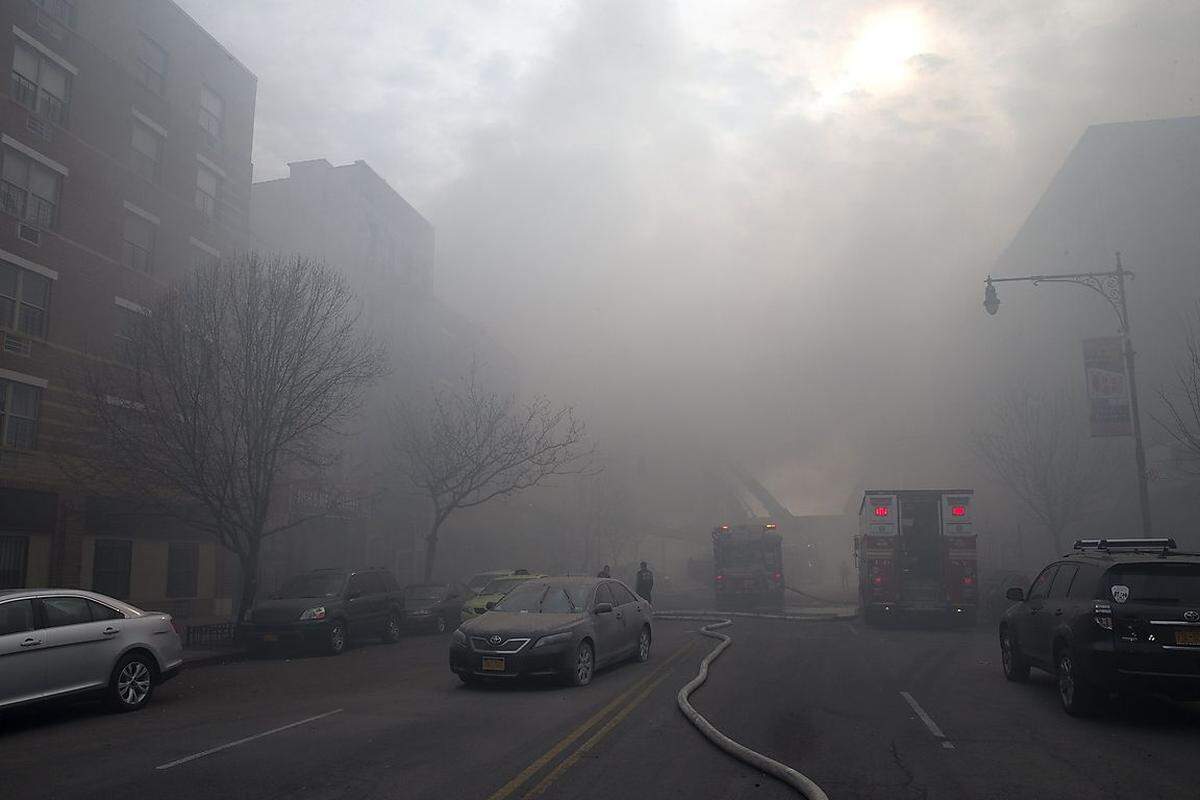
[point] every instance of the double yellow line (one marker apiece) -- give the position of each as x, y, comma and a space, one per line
626, 701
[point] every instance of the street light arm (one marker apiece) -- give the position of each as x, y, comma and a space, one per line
1109, 285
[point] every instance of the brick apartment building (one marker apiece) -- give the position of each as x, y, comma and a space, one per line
125, 137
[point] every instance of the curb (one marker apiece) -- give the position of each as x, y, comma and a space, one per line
825, 617
213, 659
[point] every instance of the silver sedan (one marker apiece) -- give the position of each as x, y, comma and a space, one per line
58, 642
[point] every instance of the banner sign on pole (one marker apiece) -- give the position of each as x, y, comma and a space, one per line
1107, 386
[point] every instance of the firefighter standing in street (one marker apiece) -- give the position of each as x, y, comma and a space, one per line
604, 573
645, 581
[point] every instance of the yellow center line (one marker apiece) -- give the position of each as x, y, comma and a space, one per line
570, 760
524, 775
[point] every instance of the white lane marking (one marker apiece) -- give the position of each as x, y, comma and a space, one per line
928, 720
228, 745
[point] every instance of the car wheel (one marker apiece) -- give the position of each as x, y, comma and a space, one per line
336, 644
441, 624
643, 649
584, 666
391, 629
1077, 696
132, 683
1016, 668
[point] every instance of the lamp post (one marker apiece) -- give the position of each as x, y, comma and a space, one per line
1110, 286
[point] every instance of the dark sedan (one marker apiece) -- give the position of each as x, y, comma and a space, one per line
554, 627
432, 606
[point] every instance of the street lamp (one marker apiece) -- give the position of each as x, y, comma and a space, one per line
1110, 286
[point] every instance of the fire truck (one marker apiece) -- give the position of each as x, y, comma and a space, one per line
916, 554
748, 566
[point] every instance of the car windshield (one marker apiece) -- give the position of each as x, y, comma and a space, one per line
312, 585
1156, 583
502, 585
537, 597
418, 593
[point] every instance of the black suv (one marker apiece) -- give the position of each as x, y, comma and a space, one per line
325, 607
1116, 615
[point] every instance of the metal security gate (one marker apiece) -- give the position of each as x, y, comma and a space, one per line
14, 557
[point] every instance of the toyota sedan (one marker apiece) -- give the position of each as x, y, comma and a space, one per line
554, 627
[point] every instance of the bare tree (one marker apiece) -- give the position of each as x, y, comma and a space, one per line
230, 384
613, 527
472, 445
1036, 448
1180, 417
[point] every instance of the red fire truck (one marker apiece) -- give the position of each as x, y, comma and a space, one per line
748, 566
916, 553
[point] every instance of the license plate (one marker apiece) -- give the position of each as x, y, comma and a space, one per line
1187, 637
270, 637
493, 665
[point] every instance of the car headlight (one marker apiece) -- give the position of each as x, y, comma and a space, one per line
314, 613
554, 638
459, 638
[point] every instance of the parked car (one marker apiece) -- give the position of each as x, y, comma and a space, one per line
59, 642
494, 592
1117, 615
481, 579
432, 606
325, 608
562, 627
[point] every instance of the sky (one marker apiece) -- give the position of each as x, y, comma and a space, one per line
760, 226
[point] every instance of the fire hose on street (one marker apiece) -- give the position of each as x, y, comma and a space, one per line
801, 783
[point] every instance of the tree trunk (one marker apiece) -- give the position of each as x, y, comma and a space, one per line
431, 542
249, 562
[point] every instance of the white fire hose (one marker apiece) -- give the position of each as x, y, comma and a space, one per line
783, 772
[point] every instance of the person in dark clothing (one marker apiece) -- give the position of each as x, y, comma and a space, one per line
604, 573
645, 581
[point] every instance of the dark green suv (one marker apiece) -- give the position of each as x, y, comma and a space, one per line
1116, 615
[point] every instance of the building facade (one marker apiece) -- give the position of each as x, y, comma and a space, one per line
125, 139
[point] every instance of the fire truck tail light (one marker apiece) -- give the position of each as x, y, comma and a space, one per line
777, 576
959, 511
881, 511
968, 580
877, 580
720, 578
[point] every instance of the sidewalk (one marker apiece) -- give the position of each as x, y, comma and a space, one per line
212, 654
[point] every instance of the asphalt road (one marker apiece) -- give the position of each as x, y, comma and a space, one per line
825, 697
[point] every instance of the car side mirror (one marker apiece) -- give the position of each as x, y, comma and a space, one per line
490, 605
602, 608
1015, 593
353, 595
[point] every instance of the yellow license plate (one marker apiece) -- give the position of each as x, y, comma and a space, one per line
493, 665
1187, 637
270, 637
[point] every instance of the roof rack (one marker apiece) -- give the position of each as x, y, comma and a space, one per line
1125, 544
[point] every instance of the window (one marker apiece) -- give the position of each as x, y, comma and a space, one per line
183, 560
125, 339
101, 612
152, 64
1084, 585
14, 551
1062, 582
604, 595
24, 300
358, 584
16, 616
621, 594
18, 415
28, 190
110, 567
206, 191
61, 11
145, 151
139, 243
212, 113
39, 84
61, 611
1041, 584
